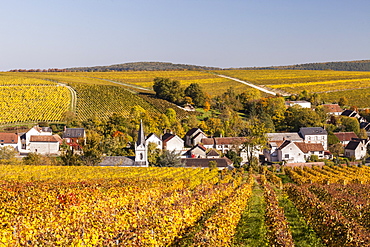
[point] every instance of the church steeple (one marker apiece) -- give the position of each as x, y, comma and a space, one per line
141, 136
141, 151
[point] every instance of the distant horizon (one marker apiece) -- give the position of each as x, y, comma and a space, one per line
46, 68
43, 34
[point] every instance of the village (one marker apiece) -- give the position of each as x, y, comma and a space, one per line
308, 146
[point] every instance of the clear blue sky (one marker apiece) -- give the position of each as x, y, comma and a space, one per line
223, 33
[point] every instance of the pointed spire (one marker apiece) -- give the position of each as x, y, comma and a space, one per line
141, 137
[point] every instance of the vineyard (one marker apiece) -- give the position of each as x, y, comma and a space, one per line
95, 206
330, 85
33, 103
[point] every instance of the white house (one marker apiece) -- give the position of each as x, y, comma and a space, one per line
153, 138
290, 153
294, 152
356, 148
25, 138
10, 139
172, 143
332, 109
345, 137
301, 103
194, 137
45, 144
314, 135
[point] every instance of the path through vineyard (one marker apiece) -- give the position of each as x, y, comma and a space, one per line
249, 84
73, 96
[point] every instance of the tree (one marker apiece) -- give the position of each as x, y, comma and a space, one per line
169, 159
297, 117
7, 155
168, 89
256, 140
153, 154
92, 154
234, 157
343, 101
349, 124
195, 92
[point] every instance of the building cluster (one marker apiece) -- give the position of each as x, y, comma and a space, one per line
42, 140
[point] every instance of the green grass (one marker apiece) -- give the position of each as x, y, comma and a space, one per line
303, 235
251, 230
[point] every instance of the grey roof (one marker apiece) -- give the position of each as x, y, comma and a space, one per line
192, 131
117, 161
74, 133
283, 136
312, 131
352, 145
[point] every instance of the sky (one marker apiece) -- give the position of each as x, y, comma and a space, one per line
221, 33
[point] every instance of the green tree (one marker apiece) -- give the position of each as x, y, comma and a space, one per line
349, 124
343, 101
234, 157
168, 89
297, 117
195, 92
170, 159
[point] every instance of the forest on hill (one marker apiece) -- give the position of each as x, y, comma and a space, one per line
362, 65
142, 66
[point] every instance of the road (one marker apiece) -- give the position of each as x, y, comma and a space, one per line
249, 84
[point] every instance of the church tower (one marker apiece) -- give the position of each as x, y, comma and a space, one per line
141, 151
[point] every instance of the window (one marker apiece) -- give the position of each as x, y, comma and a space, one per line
320, 152
287, 156
141, 156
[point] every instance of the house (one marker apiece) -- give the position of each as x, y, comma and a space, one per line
213, 154
365, 126
222, 163
298, 152
332, 109
290, 153
10, 139
223, 144
45, 144
74, 137
291, 136
198, 151
350, 113
310, 149
25, 138
301, 103
153, 138
314, 135
345, 137
356, 148
194, 137
172, 142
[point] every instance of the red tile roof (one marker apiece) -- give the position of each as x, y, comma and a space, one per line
309, 147
43, 139
345, 136
8, 138
332, 108
223, 140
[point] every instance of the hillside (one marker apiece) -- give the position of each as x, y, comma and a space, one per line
143, 66
361, 65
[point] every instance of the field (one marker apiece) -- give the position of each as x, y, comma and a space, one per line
46, 97
95, 206
331, 85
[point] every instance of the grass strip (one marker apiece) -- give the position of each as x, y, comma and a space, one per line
303, 235
251, 230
